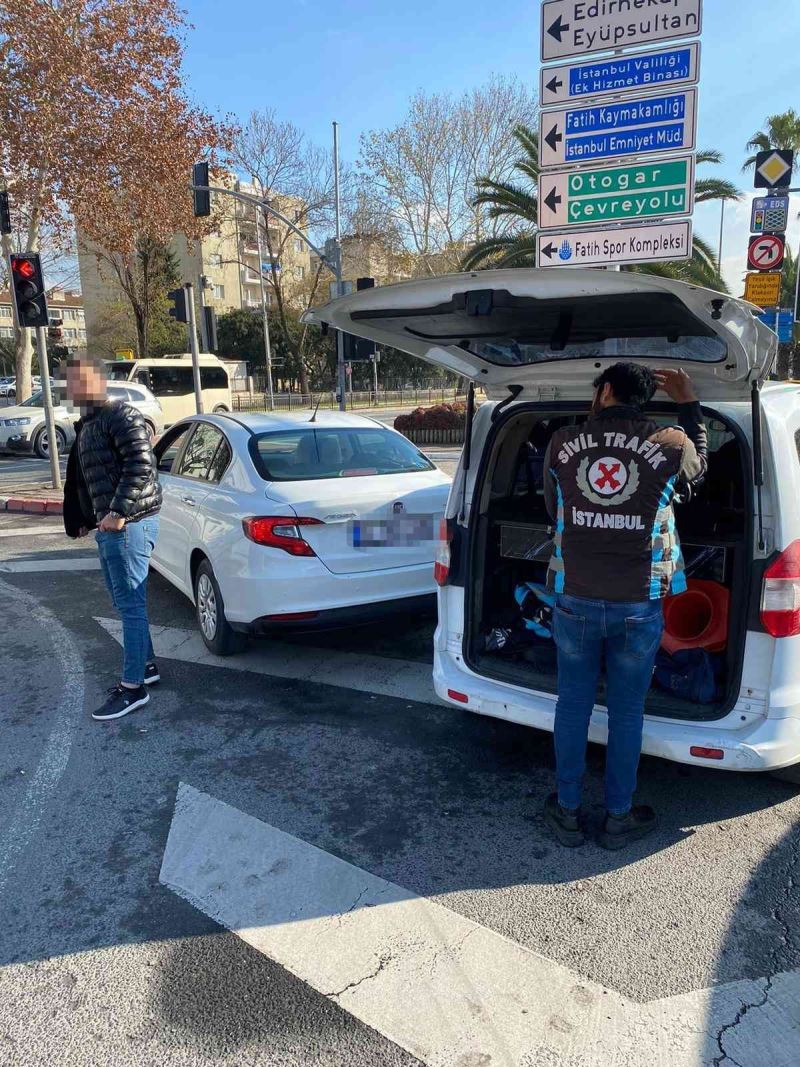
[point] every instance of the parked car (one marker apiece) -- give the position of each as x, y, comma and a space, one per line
273, 521
535, 340
8, 387
140, 397
22, 427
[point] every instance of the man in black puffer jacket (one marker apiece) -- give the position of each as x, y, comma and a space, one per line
112, 486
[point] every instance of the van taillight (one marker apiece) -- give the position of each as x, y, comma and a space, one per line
780, 594
441, 564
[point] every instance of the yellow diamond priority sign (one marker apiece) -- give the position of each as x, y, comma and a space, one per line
774, 169
763, 289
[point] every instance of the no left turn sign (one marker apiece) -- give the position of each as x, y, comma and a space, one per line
765, 252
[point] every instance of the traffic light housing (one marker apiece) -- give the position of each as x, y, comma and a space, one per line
211, 328
177, 297
201, 197
359, 349
27, 285
5, 213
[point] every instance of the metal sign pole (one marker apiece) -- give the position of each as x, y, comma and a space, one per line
49, 415
192, 325
341, 374
265, 315
201, 292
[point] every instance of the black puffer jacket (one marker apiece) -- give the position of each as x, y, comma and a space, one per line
116, 464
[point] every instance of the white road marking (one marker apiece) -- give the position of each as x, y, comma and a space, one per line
347, 670
32, 566
444, 988
27, 531
19, 828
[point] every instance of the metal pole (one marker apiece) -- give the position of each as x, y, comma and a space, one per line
721, 226
203, 331
375, 374
192, 325
49, 417
340, 368
264, 315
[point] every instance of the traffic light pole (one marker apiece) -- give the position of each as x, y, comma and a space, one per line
192, 326
340, 367
49, 416
264, 315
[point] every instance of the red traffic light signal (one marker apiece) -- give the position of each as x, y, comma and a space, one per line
27, 285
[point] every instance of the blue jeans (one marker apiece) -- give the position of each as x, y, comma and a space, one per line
125, 560
625, 637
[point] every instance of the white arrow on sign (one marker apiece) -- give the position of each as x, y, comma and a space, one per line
641, 126
576, 28
655, 243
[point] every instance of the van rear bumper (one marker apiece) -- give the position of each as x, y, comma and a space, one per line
761, 744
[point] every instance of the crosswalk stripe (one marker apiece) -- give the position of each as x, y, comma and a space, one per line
28, 531
347, 670
54, 564
449, 991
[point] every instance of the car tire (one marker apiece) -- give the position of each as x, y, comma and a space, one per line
218, 635
41, 447
220, 409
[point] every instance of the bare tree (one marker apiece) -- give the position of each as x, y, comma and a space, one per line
424, 169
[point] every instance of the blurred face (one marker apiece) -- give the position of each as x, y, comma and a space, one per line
86, 385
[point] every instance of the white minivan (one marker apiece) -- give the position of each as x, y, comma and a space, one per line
534, 340
170, 380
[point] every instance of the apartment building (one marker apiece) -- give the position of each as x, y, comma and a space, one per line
63, 305
228, 258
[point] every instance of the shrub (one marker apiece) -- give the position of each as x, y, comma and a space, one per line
440, 417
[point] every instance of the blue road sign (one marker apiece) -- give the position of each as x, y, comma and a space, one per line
665, 123
770, 214
636, 72
782, 322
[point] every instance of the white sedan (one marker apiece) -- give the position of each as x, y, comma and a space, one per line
275, 521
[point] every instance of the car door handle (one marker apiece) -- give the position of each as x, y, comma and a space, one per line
190, 500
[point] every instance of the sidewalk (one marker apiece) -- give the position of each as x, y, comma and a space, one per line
26, 486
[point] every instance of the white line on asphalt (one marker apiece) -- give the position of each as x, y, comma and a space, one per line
347, 670
446, 989
32, 566
26, 531
21, 826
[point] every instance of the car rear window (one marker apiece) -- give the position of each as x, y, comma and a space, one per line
308, 454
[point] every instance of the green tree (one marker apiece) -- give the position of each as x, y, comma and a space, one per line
780, 131
517, 199
240, 335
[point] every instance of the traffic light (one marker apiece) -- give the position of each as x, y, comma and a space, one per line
202, 197
359, 349
177, 297
5, 213
27, 285
211, 328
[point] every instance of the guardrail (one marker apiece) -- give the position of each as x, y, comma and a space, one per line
383, 398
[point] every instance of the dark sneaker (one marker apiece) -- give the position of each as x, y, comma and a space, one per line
566, 825
620, 830
120, 702
151, 674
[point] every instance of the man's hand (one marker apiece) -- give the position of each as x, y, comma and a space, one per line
677, 385
110, 524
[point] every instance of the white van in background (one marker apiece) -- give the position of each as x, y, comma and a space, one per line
170, 380
535, 340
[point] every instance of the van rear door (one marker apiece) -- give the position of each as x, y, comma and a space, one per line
557, 330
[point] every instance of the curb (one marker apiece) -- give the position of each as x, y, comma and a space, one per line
31, 506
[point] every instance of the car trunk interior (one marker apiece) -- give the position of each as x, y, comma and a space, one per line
511, 540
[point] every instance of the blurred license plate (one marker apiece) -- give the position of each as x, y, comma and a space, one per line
391, 533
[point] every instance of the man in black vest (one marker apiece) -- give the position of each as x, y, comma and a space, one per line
610, 484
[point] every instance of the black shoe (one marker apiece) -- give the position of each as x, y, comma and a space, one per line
120, 702
565, 824
620, 830
151, 674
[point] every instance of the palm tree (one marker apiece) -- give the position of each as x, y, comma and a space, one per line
515, 200
781, 131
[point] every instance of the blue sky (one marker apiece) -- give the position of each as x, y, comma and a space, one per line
359, 62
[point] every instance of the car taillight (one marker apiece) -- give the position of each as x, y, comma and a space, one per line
441, 559
780, 594
280, 532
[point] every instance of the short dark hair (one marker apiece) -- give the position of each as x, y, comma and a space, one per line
630, 383
88, 359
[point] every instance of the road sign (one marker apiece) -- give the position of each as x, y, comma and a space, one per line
782, 322
652, 190
770, 214
674, 67
774, 169
623, 244
763, 289
124, 353
577, 28
642, 126
766, 252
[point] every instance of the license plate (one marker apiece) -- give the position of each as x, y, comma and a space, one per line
403, 531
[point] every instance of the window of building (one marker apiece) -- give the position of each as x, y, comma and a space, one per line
219, 292
5, 310
215, 260
69, 315
6, 331
298, 245
70, 335
299, 272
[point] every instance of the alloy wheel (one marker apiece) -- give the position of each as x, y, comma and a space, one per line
207, 607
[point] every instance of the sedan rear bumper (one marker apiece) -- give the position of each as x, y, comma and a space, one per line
339, 618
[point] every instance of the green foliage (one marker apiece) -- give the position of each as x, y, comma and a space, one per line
165, 335
780, 131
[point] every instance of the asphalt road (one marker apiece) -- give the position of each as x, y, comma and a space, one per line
102, 963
